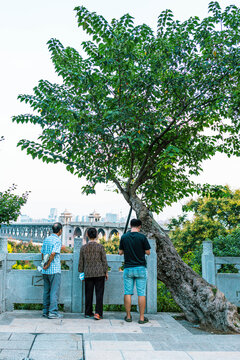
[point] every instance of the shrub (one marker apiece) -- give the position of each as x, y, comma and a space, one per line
165, 302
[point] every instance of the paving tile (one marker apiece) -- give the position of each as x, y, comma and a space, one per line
190, 347
6, 320
167, 331
216, 355
5, 336
103, 355
131, 337
219, 339
115, 329
100, 336
19, 329
13, 354
151, 323
156, 355
56, 355
57, 337
62, 329
163, 347
15, 345
21, 336
79, 345
45, 345
87, 345
121, 345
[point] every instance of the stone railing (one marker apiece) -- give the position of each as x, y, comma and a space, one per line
26, 286
228, 283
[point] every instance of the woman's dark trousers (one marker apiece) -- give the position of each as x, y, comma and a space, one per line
90, 284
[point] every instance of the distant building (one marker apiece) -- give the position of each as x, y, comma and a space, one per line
40, 221
67, 235
52, 215
25, 219
94, 216
110, 217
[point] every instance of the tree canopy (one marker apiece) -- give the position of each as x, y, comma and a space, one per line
213, 218
10, 205
141, 109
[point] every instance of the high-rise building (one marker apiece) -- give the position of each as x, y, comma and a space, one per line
110, 217
52, 215
25, 219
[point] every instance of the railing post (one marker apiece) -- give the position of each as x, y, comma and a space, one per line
208, 263
151, 307
77, 286
3, 268
3, 245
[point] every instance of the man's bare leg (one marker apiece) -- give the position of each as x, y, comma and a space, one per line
141, 305
127, 304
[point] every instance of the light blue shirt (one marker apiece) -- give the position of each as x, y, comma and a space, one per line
52, 244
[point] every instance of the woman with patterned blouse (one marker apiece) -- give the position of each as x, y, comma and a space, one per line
93, 263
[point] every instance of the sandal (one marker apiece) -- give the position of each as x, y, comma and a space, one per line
97, 316
128, 319
143, 321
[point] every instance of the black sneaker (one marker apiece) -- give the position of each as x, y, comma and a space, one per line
89, 316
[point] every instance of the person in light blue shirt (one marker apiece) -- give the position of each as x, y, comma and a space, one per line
52, 272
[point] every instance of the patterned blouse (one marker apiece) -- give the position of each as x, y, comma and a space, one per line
92, 260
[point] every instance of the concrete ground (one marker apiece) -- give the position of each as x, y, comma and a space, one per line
26, 335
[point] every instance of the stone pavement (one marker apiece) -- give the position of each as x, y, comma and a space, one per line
25, 334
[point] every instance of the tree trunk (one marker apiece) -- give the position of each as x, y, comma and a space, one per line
201, 302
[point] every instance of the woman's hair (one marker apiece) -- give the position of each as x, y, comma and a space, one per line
92, 233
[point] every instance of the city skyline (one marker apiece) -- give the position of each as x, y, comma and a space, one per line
107, 217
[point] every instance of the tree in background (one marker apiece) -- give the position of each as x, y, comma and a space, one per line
10, 205
212, 217
111, 246
142, 111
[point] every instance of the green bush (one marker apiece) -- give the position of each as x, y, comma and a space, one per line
111, 246
34, 307
23, 247
165, 302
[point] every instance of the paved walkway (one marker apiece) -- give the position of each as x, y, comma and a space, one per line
25, 334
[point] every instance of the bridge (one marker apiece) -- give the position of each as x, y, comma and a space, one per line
36, 232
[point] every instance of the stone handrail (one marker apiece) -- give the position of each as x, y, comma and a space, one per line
228, 283
26, 286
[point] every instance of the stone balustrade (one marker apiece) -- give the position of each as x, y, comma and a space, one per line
228, 283
26, 286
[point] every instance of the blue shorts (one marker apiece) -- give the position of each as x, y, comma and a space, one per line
135, 274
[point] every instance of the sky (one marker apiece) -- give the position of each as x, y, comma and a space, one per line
25, 28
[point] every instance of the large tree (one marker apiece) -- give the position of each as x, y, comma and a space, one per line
142, 111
